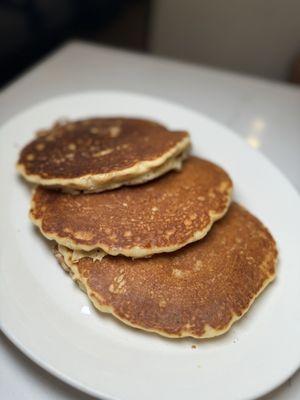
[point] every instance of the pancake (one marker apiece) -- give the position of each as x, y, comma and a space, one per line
160, 216
98, 154
198, 291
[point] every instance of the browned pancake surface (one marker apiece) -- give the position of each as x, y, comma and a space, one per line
96, 146
162, 215
197, 291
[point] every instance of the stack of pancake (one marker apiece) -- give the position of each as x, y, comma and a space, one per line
147, 231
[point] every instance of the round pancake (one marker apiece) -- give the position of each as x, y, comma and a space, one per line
161, 216
198, 291
101, 153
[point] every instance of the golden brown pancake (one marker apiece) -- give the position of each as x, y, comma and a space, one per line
102, 153
160, 216
198, 291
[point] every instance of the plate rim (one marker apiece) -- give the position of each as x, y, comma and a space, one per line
69, 96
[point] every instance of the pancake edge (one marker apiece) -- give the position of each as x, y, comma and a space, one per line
134, 251
93, 182
209, 332
173, 163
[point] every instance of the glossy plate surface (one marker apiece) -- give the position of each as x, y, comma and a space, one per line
52, 321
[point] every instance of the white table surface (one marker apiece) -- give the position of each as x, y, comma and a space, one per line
266, 114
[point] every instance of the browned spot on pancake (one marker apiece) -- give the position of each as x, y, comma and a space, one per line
103, 153
40, 146
83, 235
114, 131
72, 146
70, 126
95, 130
208, 283
162, 214
178, 273
91, 139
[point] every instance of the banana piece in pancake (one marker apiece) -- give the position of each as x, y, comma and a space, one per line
99, 154
160, 216
198, 291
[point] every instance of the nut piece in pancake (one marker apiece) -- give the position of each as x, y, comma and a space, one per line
198, 291
101, 153
160, 216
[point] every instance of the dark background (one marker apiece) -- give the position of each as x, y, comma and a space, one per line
29, 29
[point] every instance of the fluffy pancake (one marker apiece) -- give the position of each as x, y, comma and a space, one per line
101, 153
198, 291
161, 216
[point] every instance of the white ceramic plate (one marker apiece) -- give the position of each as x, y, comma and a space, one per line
52, 321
